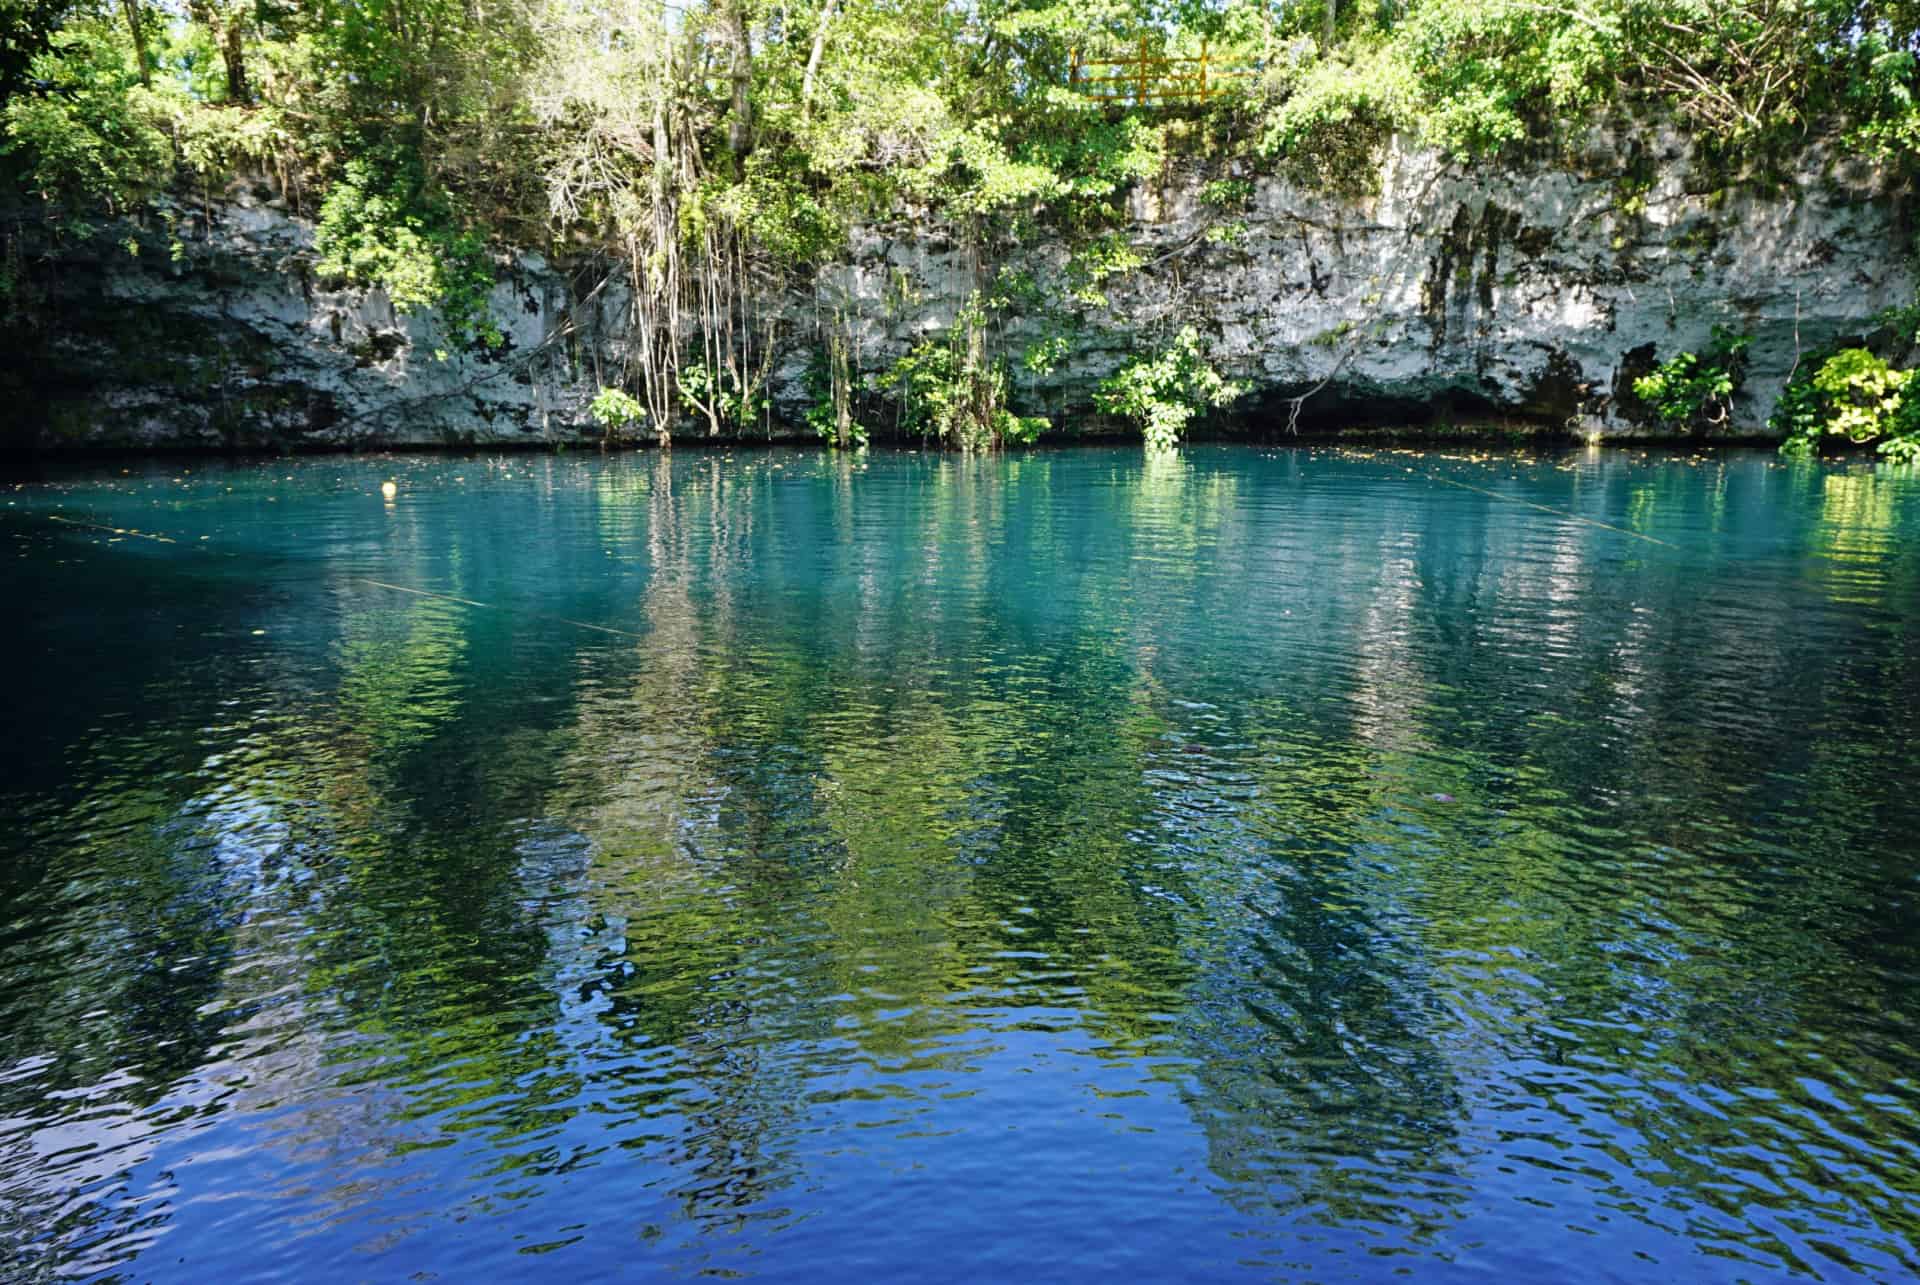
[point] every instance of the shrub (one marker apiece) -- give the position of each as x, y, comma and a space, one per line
616, 411
956, 396
950, 389
1854, 394
830, 378
1162, 394
1695, 390
102, 140
380, 227
1334, 118
728, 399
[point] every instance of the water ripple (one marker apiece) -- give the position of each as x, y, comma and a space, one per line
1307, 863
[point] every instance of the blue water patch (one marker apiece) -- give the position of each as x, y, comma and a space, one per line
1309, 864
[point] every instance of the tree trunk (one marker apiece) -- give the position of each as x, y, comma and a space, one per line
1332, 16
813, 58
740, 71
224, 22
662, 224
233, 53
657, 277
132, 9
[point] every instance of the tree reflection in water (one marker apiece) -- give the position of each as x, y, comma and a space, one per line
1059, 863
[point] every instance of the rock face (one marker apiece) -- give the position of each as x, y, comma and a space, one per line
1533, 291
226, 339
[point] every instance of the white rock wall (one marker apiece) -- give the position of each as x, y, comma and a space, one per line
1533, 290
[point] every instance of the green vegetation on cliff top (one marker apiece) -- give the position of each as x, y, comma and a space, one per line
714, 147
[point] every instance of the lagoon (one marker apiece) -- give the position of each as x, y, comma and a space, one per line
1311, 863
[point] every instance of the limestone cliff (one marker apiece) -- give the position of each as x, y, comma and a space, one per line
1532, 290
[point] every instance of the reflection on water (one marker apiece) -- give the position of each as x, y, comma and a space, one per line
1304, 863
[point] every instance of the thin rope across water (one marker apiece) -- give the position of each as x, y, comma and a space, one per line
1545, 508
489, 606
114, 530
368, 580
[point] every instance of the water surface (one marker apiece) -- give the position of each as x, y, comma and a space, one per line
1302, 864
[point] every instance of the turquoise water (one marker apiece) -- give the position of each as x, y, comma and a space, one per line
1301, 864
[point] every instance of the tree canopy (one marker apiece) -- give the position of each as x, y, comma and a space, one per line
714, 145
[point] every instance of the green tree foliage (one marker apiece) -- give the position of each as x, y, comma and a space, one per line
98, 140
711, 150
616, 412
381, 225
1162, 394
102, 125
26, 32
1855, 395
1696, 390
1473, 76
954, 390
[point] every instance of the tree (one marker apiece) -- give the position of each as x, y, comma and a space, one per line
228, 22
26, 32
136, 27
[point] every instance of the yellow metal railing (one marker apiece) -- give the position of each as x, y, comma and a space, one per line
1150, 79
